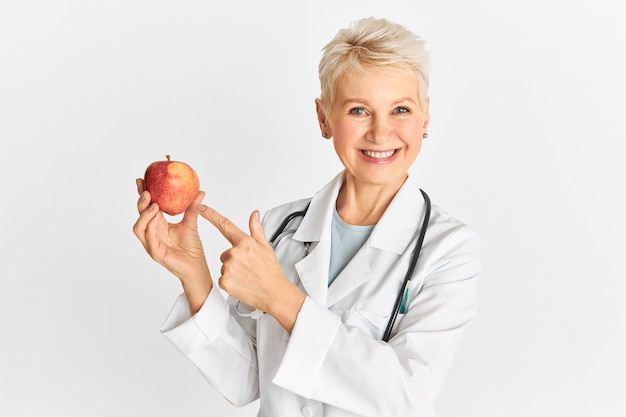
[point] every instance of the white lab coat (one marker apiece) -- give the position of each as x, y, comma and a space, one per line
334, 363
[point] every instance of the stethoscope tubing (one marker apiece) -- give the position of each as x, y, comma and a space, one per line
286, 222
410, 270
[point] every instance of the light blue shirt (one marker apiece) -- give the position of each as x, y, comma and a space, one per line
346, 240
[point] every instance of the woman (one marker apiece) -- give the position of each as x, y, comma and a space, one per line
327, 288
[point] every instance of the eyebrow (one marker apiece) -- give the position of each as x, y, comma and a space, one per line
362, 100
403, 99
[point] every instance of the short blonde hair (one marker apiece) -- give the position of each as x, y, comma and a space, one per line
369, 44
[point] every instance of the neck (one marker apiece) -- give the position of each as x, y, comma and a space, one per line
362, 204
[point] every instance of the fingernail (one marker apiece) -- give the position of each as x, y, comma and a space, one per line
142, 196
202, 208
257, 215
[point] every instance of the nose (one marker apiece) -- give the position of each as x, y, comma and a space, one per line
381, 130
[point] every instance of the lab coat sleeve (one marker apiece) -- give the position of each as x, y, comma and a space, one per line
217, 345
345, 367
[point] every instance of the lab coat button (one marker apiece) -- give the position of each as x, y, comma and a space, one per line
307, 411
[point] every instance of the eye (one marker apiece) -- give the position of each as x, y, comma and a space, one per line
357, 111
402, 110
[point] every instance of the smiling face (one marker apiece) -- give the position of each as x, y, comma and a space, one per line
377, 124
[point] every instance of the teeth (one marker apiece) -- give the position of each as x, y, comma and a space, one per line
379, 155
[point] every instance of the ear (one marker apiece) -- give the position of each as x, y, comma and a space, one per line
321, 118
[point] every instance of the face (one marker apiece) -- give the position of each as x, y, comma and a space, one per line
377, 125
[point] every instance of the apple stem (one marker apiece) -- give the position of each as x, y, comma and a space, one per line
168, 157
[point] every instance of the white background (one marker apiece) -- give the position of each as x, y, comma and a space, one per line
528, 110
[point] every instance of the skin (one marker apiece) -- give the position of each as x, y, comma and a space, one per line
374, 112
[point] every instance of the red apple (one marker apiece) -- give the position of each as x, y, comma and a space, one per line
172, 185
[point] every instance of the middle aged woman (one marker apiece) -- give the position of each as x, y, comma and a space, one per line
328, 284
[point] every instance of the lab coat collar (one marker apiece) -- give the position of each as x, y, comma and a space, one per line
394, 231
315, 226
315, 229
401, 221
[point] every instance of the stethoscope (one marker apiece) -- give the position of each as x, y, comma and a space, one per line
407, 277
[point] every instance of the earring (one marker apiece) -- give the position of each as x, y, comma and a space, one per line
324, 135
425, 135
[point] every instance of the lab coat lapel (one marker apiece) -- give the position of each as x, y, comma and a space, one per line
315, 228
355, 274
313, 272
392, 236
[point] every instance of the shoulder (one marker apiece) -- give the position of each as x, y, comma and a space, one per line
443, 224
452, 244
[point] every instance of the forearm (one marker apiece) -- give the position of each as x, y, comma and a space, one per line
286, 305
196, 290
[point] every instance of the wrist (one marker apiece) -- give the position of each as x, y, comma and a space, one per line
196, 290
285, 309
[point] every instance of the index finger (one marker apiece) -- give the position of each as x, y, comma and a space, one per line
227, 228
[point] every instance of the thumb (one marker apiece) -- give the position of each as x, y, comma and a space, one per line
256, 228
191, 214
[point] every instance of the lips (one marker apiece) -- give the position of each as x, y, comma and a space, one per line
379, 155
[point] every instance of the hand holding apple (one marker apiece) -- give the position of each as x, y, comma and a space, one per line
176, 246
173, 185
